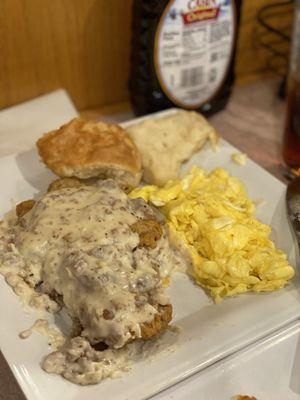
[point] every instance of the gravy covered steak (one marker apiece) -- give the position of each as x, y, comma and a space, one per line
101, 256
86, 149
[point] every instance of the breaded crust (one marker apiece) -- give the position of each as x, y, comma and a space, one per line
149, 231
86, 149
23, 207
63, 183
149, 330
159, 323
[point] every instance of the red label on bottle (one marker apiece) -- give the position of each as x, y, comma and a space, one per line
201, 15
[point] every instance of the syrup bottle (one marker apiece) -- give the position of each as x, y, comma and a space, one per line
183, 54
291, 138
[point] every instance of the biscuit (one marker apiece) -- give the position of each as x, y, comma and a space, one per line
86, 149
165, 143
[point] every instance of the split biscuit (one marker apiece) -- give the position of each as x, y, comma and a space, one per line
86, 149
165, 143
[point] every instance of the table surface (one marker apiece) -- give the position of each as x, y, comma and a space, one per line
252, 121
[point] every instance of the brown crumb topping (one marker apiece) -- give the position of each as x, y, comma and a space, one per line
149, 231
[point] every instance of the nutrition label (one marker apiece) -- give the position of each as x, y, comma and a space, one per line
193, 49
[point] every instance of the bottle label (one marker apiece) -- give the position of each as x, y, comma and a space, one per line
193, 48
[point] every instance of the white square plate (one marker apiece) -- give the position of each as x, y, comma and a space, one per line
209, 332
267, 369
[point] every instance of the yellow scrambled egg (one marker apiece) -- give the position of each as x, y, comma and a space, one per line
230, 249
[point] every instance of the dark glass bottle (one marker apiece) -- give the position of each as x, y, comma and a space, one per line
183, 54
291, 138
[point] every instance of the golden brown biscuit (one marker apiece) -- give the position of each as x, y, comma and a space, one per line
86, 149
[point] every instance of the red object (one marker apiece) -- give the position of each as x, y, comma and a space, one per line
201, 15
291, 139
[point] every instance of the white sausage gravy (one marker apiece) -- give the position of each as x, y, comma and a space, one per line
76, 248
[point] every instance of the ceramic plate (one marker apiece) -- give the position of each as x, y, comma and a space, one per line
209, 332
268, 369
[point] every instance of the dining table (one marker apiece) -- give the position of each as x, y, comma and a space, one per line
253, 122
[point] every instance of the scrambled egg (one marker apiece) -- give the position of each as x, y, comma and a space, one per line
230, 249
239, 158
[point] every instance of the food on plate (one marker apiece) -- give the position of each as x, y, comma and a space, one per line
104, 258
26, 205
165, 143
54, 338
64, 183
85, 149
158, 324
230, 249
243, 397
23, 207
149, 231
239, 158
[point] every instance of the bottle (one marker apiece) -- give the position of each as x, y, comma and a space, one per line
183, 54
291, 138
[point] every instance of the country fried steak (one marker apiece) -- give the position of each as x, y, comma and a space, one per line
101, 243
102, 257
